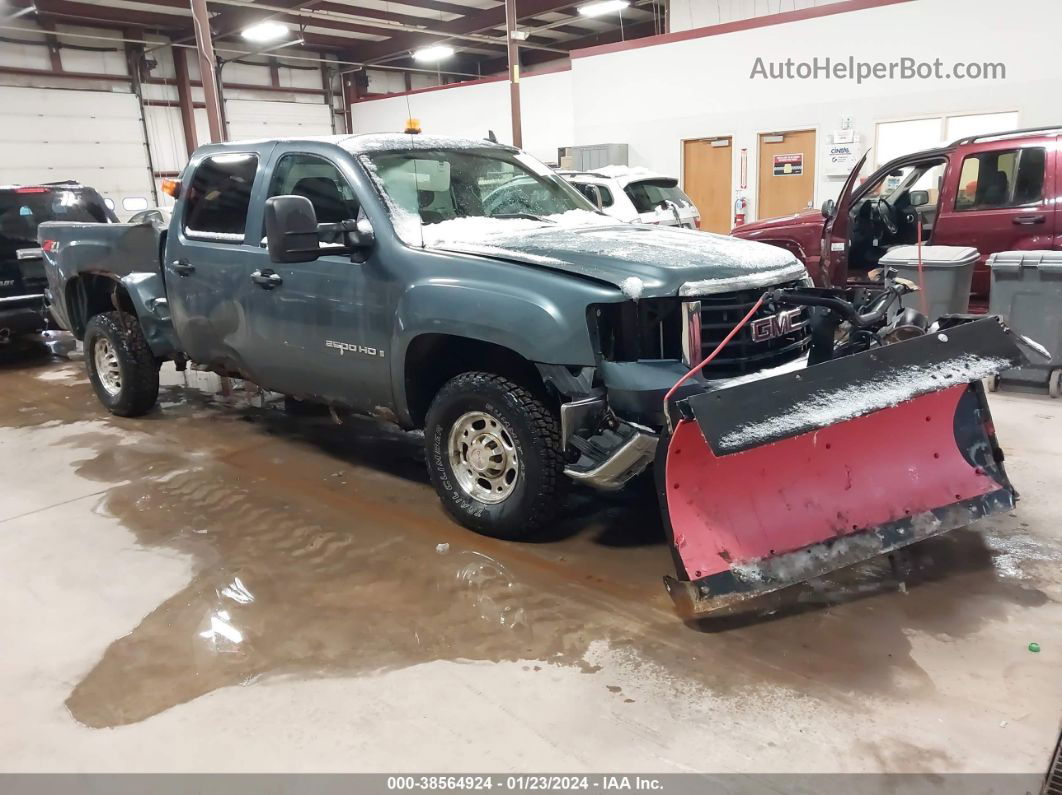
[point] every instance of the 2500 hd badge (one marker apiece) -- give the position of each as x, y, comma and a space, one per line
349, 347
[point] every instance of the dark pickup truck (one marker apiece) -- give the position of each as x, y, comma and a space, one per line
462, 287
22, 209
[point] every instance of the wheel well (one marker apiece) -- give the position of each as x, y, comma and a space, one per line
433, 359
92, 294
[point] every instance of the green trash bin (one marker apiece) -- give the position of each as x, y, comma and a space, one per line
1027, 294
945, 279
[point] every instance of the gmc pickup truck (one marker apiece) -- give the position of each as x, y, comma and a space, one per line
461, 287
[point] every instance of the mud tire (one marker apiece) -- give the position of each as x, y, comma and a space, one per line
541, 484
139, 390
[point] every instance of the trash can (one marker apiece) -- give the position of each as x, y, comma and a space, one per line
1027, 294
946, 275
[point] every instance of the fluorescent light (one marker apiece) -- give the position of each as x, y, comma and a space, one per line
602, 7
265, 31
434, 53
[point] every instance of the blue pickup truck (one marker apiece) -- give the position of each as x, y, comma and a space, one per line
461, 287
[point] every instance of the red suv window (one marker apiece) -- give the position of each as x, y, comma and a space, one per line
1001, 178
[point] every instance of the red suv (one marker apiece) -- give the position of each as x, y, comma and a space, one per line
998, 192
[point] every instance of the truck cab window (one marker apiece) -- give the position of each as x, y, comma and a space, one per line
1009, 178
218, 198
318, 180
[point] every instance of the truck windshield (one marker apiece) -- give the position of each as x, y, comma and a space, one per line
442, 185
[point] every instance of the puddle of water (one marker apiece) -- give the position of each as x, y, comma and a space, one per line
321, 551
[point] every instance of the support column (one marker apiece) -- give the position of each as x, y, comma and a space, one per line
184, 99
208, 75
513, 53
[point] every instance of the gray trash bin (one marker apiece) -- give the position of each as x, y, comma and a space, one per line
946, 275
1027, 294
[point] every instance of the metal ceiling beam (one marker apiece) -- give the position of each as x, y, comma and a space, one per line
90, 11
477, 22
636, 31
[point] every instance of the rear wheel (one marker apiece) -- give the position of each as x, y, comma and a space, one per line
494, 455
121, 367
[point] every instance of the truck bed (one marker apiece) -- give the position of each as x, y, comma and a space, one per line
118, 249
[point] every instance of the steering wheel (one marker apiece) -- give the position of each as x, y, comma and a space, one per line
888, 216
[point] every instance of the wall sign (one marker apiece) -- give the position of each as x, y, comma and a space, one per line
789, 165
840, 159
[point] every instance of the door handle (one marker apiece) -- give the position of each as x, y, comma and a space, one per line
1029, 220
183, 267
266, 279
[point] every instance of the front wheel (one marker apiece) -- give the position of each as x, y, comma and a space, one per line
121, 367
494, 455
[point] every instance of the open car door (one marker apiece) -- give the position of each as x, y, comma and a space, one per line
835, 233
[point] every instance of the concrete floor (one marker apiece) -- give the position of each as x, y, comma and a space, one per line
221, 587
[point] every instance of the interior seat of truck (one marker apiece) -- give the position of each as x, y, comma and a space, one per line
327, 201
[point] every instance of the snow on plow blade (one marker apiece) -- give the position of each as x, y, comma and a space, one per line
774, 482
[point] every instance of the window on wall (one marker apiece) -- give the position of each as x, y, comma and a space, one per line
220, 193
1002, 178
897, 138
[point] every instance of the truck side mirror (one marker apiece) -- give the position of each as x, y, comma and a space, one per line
918, 198
361, 240
828, 207
595, 196
291, 229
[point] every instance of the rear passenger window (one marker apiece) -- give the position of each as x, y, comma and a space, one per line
607, 200
217, 200
650, 194
1007, 178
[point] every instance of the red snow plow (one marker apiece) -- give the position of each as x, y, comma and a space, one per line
884, 439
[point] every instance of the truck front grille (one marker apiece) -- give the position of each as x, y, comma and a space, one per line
743, 354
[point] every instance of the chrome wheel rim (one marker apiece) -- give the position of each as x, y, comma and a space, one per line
107, 369
483, 457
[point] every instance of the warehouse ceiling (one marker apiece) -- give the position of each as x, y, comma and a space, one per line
379, 31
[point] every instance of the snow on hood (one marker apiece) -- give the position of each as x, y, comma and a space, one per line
643, 261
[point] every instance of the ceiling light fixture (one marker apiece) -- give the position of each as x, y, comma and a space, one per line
436, 52
602, 7
265, 31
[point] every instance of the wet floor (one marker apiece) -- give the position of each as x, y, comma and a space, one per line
319, 551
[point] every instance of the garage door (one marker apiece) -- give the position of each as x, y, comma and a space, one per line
252, 119
94, 137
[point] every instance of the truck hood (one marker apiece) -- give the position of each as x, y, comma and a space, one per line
641, 260
755, 228
804, 218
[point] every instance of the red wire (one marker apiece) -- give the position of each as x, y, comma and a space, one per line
714, 353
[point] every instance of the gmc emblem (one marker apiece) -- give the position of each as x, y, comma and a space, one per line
767, 328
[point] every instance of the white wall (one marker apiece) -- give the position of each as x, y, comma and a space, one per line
470, 111
687, 14
654, 97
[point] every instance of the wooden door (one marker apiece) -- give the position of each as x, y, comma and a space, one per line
707, 178
787, 173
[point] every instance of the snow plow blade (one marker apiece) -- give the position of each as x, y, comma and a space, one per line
771, 483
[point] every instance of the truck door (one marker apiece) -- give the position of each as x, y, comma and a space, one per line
320, 328
1001, 198
209, 261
